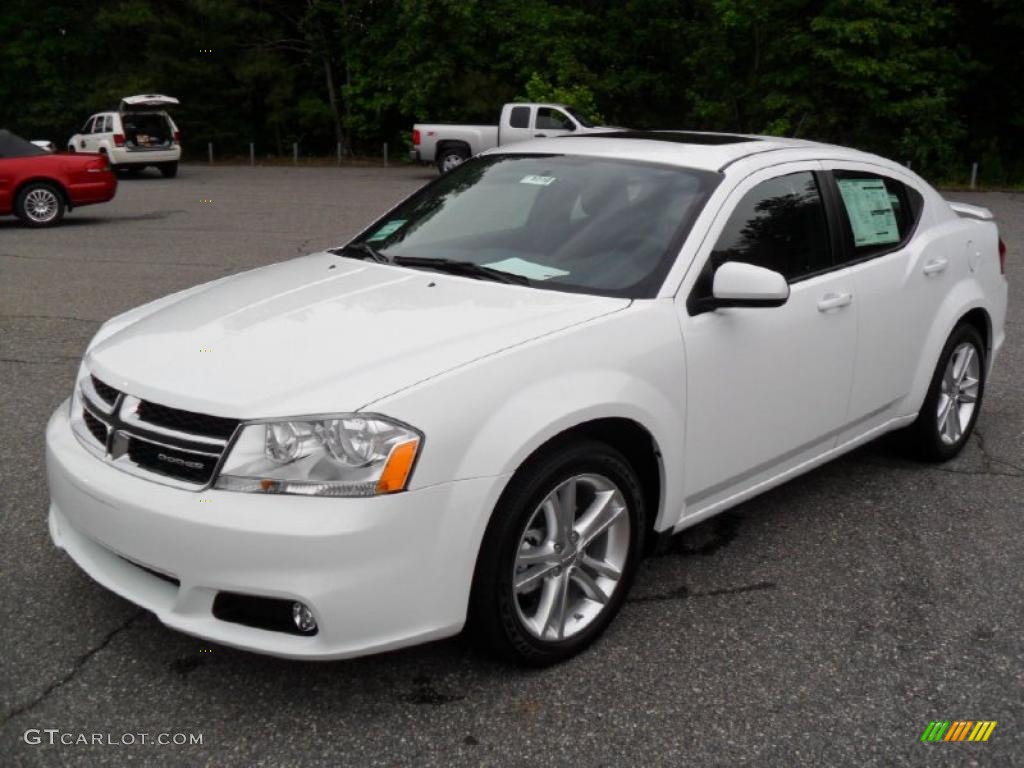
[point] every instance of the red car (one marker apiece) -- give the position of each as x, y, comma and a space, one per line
39, 186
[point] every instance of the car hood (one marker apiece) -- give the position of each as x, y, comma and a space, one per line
319, 334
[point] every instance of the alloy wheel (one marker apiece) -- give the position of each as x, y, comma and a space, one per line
41, 205
958, 392
571, 557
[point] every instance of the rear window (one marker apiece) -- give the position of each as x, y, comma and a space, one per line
880, 213
520, 117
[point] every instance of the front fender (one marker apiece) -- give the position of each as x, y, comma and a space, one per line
486, 418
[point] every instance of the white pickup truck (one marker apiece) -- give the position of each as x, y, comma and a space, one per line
448, 145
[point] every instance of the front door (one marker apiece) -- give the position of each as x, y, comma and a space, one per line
766, 388
552, 122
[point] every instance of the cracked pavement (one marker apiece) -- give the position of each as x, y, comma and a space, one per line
823, 623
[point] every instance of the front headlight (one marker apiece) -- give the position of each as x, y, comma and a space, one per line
346, 455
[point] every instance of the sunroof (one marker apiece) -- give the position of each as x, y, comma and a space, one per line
676, 137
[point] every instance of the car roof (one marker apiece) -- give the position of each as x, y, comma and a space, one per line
704, 150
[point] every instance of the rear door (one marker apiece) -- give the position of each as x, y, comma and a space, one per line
518, 126
95, 134
901, 278
82, 139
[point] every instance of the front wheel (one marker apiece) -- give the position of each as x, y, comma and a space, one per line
559, 554
39, 204
951, 406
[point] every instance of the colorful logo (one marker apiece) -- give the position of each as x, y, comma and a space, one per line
958, 730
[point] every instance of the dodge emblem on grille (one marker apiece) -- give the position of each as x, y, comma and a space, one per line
180, 461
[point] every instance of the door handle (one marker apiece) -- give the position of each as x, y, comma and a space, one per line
541, 135
935, 266
834, 301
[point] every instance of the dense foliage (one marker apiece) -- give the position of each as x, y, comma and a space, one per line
938, 83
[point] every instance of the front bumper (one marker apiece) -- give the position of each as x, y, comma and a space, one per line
378, 573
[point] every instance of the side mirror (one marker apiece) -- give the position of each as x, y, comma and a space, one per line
736, 284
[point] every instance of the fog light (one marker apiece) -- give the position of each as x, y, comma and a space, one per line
303, 617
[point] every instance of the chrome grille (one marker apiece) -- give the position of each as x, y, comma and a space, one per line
158, 442
96, 427
106, 392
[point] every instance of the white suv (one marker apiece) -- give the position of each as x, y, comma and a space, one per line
483, 407
139, 134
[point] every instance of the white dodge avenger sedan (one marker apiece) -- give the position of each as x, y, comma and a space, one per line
483, 409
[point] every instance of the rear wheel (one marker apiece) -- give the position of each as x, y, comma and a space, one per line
951, 407
169, 170
559, 554
39, 204
451, 157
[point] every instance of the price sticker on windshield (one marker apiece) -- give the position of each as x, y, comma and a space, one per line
386, 231
540, 181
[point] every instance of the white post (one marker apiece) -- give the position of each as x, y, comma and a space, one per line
209, 151
295, 153
974, 175
385, 154
252, 153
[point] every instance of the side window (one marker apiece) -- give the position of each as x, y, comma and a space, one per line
553, 120
880, 213
520, 117
780, 225
97, 126
87, 128
108, 124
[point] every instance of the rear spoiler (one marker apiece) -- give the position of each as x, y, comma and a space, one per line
972, 211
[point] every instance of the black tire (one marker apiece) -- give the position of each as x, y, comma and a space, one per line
169, 170
71, 148
922, 439
30, 213
494, 619
451, 156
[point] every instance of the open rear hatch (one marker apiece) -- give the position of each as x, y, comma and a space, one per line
147, 102
146, 124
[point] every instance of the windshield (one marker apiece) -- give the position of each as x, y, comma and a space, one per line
12, 145
584, 224
579, 118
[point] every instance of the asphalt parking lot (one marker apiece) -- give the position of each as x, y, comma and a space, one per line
825, 623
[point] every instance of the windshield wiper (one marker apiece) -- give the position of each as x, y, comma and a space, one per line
466, 268
365, 250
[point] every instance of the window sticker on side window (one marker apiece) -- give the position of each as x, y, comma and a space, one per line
870, 209
540, 181
386, 231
